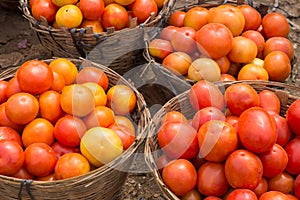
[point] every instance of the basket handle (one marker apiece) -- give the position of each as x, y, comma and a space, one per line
27, 184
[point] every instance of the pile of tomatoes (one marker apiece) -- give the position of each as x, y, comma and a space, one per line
57, 122
236, 146
226, 42
98, 14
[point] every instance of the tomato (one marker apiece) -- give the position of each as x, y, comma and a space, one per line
282, 182
269, 101
274, 161
58, 82
275, 24
262, 187
92, 74
211, 180
292, 148
252, 17
227, 77
70, 165
68, 130
40, 159
192, 195
214, 40
177, 62
291, 197
8, 133
257, 38
91, 9
273, 195
297, 186
35, 77
125, 121
45, 8
217, 139
50, 177
94, 24
224, 64
61, 149
293, 117
160, 48
100, 116
4, 121
244, 194
212, 198
233, 120
13, 87
279, 44
167, 32
253, 72
180, 176
173, 116
100, 97
3, 91
21, 108
204, 68
206, 114
49, 104
11, 157
239, 97
243, 50
177, 18
65, 67
196, 17
257, 130
178, 140
243, 169
125, 134
184, 40
205, 94
114, 15
142, 9
282, 129
23, 174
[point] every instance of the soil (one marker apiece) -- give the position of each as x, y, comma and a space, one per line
18, 43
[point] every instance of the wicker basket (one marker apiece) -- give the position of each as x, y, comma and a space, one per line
286, 93
101, 183
118, 50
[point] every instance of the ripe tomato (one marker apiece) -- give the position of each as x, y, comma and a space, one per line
205, 94
297, 186
206, 114
244, 194
273, 195
214, 40
91, 9
61, 149
4, 121
160, 48
178, 140
257, 38
282, 129
173, 116
217, 139
239, 97
192, 195
100, 116
8, 133
125, 121
212, 198
21, 108
257, 130
94, 24
269, 101
224, 64
282, 182
100, 97
180, 176
252, 17
44, 8
114, 15
70, 165
293, 117
38, 130
291, 197
279, 44
274, 161
243, 50
275, 24
143, 8
68, 130
3, 91
35, 77
292, 148
184, 40
196, 17
50, 177
262, 187
65, 67
167, 32
204, 69
49, 103
11, 157
253, 72
233, 120
40, 159
177, 62
177, 18
13, 87
243, 169
92, 74
211, 180
58, 82
124, 133
23, 174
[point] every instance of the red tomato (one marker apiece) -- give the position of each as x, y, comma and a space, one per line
239, 97
257, 130
274, 161
178, 140
269, 101
8, 133
252, 17
12, 87
180, 176
207, 114
4, 121
205, 94
44, 8
292, 149
91, 9
244, 194
61, 149
174, 116
214, 40
279, 44
282, 129
217, 139
177, 18
192, 195
275, 24
273, 195
40, 159
68, 130
167, 32
35, 77
257, 38
143, 8
125, 134
114, 15
233, 120
291, 197
160, 48
283, 182
243, 169
243, 50
262, 187
297, 186
293, 116
3, 91
11, 157
23, 174
211, 180
184, 40
212, 198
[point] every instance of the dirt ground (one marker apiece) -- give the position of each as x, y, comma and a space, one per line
19, 43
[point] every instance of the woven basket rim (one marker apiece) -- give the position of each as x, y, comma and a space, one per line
141, 135
286, 90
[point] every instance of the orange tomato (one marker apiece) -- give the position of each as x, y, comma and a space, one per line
124, 2
58, 82
224, 64
4, 121
252, 17
177, 62
21, 108
173, 116
100, 116
13, 87
196, 17
275, 24
94, 24
125, 121
253, 72
69, 16
66, 68
38, 130
3, 91
100, 97
243, 50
